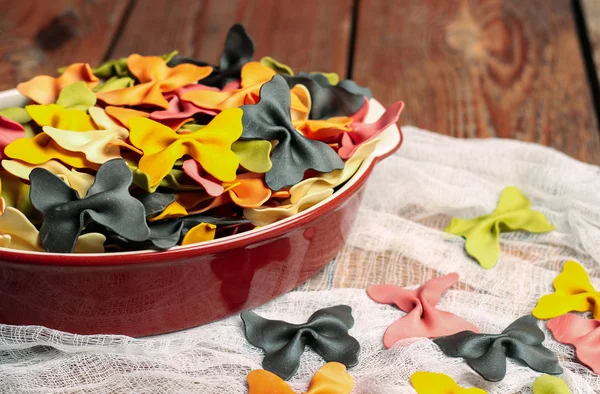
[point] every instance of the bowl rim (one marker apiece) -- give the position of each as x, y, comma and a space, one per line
255, 237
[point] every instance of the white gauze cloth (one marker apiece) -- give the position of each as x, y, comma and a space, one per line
397, 239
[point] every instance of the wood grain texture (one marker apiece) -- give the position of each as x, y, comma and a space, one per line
37, 37
591, 10
311, 35
481, 68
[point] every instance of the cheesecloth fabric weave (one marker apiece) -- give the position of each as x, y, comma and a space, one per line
397, 239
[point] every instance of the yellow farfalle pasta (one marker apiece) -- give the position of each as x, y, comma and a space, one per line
210, 146
98, 146
573, 292
438, 383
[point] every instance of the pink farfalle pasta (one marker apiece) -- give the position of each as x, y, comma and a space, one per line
423, 319
9, 131
582, 333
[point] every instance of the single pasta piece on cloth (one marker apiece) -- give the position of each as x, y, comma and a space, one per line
422, 319
573, 292
331, 378
438, 383
487, 353
547, 384
482, 234
326, 332
582, 333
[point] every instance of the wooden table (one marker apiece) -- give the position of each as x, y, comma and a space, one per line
466, 68
522, 69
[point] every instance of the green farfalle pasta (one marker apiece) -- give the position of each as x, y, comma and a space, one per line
76, 96
482, 234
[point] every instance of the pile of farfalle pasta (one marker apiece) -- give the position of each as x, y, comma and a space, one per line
150, 152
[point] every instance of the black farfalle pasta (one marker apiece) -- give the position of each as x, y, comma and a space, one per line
326, 332
239, 50
327, 100
355, 88
156, 202
487, 353
107, 203
270, 120
165, 234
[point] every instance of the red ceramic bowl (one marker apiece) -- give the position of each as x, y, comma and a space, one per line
149, 292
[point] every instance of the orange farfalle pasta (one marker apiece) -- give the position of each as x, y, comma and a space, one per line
250, 190
254, 75
44, 89
247, 191
318, 129
124, 115
332, 378
210, 146
323, 129
155, 78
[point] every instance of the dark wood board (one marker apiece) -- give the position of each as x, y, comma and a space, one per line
481, 68
311, 35
467, 68
39, 36
591, 10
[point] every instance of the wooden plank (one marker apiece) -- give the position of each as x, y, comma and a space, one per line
481, 68
591, 9
37, 37
311, 35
